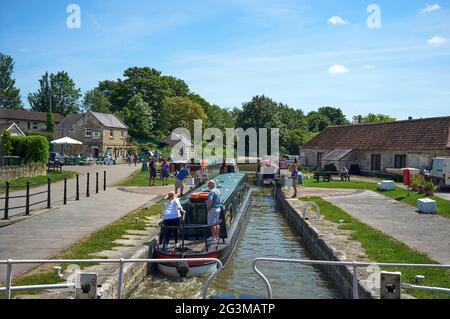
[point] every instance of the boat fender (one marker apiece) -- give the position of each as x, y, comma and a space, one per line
182, 268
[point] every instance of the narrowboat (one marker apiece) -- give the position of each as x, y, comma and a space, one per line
194, 232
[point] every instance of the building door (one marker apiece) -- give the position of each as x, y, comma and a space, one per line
400, 161
375, 163
94, 152
319, 159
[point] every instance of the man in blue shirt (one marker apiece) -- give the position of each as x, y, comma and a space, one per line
181, 176
213, 205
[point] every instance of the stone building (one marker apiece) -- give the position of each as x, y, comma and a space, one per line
100, 133
28, 121
377, 147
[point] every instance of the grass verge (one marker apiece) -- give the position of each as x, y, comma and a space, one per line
142, 180
102, 239
399, 194
383, 248
20, 183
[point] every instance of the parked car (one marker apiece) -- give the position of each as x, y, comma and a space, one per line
440, 171
56, 158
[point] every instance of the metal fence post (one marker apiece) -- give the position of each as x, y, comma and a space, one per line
104, 180
27, 208
355, 281
9, 265
6, 216
65, 191
119, 284
78, 188
96, 182
87, 186
49, 204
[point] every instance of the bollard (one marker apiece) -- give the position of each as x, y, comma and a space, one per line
6, 216
27, 204
87, 186
65, 191
49, 204
78, 188
104, 180
96, 182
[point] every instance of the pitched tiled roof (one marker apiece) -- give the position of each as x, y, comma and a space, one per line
28, 115
68, 122
421, 134
109, 120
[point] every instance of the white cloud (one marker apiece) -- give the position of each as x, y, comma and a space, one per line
437, 40
337, 69
335, 20
431, 8
23, 50
369, 67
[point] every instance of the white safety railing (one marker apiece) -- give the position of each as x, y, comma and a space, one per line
355, 265
10, 262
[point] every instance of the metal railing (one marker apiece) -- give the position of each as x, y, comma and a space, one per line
355, 265
10, 262
28, 196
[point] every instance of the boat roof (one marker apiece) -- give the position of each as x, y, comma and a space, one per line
226, 184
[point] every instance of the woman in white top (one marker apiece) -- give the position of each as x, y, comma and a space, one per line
171, 213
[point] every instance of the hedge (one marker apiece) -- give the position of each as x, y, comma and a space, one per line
33, 149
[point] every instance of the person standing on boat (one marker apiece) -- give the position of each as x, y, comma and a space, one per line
171, 214
181, 176
213, 205
294, 176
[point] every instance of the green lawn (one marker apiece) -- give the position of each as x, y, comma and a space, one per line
399, 194
20, 183
142, 180
102, 239
382, 248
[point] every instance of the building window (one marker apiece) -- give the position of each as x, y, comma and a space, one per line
375, 163
88, 132
122, 133
111, 134
400, 161
28, 125
35, 125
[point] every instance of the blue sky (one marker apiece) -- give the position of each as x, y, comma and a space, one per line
230, 50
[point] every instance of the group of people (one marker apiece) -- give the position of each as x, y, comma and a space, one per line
132, 159
173, 214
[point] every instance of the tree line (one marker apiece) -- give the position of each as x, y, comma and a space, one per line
152, 105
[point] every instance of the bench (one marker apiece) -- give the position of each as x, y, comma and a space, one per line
327, 176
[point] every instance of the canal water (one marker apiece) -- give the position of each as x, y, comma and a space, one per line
267, 235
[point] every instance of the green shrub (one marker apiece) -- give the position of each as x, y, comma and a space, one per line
47, 135
330, 168
33, 149
6, 146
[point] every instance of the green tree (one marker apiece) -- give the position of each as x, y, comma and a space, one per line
95, 101
57, 93
9, 94
296, 138
317, 122
6, 147
50, 123
181, 112
138, 116
334, 115
217, 117
373, 118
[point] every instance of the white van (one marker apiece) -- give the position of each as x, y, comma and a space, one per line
440, 171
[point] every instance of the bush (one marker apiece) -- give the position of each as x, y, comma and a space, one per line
33, 149
6, 146
330, 168
47, 135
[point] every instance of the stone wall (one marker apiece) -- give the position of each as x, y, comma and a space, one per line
14, 172
322, 247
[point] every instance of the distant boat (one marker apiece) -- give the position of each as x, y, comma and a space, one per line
235, 196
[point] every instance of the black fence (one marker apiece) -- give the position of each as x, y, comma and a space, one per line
28, 197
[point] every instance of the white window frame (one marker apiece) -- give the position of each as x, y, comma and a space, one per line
34, 125
88, 132
111, 134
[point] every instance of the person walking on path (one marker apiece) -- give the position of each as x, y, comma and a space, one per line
294, 176
213, 205
180, 177
152, 171
165, 172
171, 214
135, 159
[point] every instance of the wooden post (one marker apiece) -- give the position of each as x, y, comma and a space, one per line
49, 204
27, 205
6, 216
78, 188
87, 186
104, 180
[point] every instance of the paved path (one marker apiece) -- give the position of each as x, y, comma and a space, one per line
429, 234
114, 174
